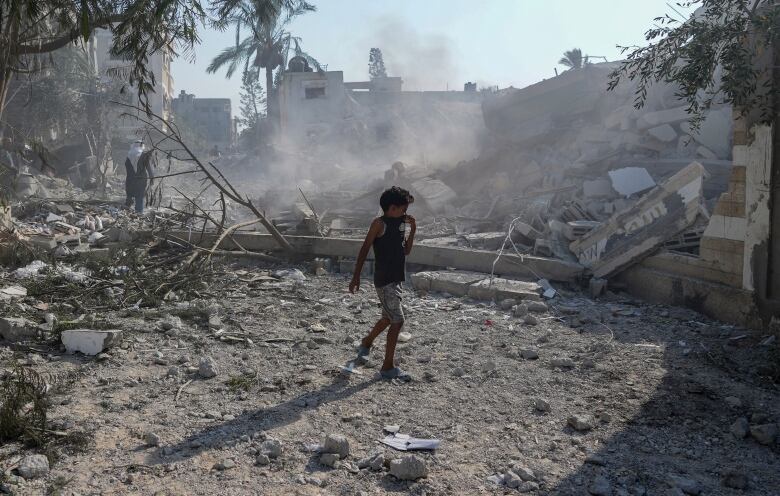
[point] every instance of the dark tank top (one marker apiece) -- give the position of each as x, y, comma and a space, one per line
389, 256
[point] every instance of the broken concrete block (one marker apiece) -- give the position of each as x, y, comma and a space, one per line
434, 193
15, 329
486, 241
631, 234
704, 152
527, 230
714, 133
598, 188
543, 248
446, 281
630, 180
654, 119
90, 341
502, 289
579, 228
664, 132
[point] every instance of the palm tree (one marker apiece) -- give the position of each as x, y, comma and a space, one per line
572, 59
267, 45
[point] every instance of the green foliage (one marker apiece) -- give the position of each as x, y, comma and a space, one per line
572, 59
714, 56
376, 64
252, 99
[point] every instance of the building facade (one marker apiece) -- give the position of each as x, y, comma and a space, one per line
210, 119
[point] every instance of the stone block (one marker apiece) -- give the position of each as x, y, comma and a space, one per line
502, 289
90, 341
664, 132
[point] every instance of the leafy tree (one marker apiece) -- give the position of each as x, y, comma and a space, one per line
572, 59
714, 56
31, 29
376, 64
252, 104
267, 44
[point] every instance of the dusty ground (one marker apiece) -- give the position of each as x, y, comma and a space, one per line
665, 385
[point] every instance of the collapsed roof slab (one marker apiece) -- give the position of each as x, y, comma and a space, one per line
435, 256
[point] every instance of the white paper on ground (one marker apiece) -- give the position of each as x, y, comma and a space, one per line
404, 442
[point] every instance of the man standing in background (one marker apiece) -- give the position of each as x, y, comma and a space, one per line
139, 172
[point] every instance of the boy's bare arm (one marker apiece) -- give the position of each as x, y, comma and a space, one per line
412, 229
373, 232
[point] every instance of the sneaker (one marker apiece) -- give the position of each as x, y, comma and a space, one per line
363, 354
395, 373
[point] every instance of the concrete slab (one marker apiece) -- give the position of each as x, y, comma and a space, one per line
447, 281
632, 234
664, 132
90, 341
434, 256
502, 289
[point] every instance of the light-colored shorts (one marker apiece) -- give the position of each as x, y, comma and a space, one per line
390, 298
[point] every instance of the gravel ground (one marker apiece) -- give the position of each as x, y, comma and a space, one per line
653, 390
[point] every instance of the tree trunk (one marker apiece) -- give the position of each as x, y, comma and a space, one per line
271, 102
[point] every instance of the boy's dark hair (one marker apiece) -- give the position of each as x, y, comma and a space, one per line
395, 196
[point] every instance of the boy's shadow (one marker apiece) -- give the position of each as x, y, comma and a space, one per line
224, 434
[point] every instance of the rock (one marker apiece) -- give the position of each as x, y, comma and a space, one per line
151, 439
537, 307
507, 304
330, 459
404, 337
215, 322
512, 480
733, 401
600, 487
224, 464
207, 367
764, 433
527, 487
272, 448
529, 354
377, 463
520, 310
541, 405
488, 366
262, 460
524, 473
409, 467
336, 443
686, 485
90, 342
581, 423
496, 479
562, 362
735, 479
34, 466
740, 428
664, 132
530, 320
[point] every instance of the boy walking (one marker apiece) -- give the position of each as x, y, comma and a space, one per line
387, 236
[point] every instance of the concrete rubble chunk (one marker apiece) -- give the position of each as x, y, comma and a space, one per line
654, 119
446, 281
207, 368
740, 428
500, 289
336, 443
272, 448
631, 234
581, 423
330, 459
90, 341
15, 329
631, 180
664, 132
409, 467
537, 307
34, 466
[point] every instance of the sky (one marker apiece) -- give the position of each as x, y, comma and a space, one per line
441, 44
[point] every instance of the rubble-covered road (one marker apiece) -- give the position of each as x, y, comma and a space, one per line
603, 397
